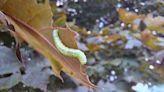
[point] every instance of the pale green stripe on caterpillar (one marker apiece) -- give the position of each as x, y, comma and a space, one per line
68, 51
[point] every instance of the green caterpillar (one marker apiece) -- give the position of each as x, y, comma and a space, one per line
68, 51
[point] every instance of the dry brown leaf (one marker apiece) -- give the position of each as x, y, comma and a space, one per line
29, 11
38, 15
28, 21
58, 61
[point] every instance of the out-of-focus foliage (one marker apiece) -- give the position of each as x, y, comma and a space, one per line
144, 88
127, 52
12, 72
85, 12
124, 46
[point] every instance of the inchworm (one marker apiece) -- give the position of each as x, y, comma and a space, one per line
68, 51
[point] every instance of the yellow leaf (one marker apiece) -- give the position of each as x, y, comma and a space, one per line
93, 47
112, 38
105, 31
150, 40
128, 17
61, 20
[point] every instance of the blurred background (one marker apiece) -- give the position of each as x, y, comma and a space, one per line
122, 39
